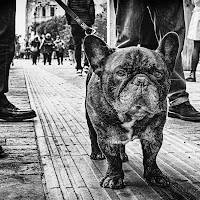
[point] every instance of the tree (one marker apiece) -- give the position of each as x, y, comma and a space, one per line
100, 24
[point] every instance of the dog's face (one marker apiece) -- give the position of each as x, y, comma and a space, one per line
136, 82
133, 82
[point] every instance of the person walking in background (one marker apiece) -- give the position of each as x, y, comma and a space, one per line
35, 44
47, 48
194, 34
86, 12
71, 50
168, 16
59, 49
8, 111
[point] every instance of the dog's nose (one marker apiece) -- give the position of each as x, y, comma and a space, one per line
141, 81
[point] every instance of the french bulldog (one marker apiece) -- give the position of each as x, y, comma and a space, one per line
126, 99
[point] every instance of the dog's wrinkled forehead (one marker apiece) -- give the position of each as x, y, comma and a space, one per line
136, 58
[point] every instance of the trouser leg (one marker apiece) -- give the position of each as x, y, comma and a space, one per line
58, 56
7, 35
77, 33
129, 16
169, 16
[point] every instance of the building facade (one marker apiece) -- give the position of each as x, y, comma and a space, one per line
38, 11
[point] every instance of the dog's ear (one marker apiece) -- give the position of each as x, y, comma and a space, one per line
169, 47
96, 51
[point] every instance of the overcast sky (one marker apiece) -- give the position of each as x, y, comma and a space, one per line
20, 17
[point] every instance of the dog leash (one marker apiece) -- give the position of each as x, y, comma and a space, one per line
88, 30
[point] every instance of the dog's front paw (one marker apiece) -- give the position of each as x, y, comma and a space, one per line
157, 178
115, 182
97, 156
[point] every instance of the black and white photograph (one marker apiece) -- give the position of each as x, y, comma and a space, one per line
99, 100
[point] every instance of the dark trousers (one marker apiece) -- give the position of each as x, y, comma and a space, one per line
78, 34
168, 16
34, 57
47, 57
7, 37
59, 56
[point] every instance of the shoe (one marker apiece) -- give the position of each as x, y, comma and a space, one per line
9, 112
79, 72
86, 68
191, 77
184, 111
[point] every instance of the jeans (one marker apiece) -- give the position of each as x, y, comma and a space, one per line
78, 34
47, 58
168, 16
59, 56
7, 37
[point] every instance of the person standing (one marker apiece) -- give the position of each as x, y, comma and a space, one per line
47, 48
8, 111
35, 44
86, 12
168, 16
59, 49
194, 34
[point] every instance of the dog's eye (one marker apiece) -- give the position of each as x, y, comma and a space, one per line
158, 75
121, 73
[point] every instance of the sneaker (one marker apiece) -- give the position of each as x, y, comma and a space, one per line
191, 77
86, 68
184, 111
79, 72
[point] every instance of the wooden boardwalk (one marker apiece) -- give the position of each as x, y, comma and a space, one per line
63, 143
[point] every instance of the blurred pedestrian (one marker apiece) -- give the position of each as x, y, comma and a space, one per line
71, 50
194, 34
59, 46
86, 12
35, 44
8, 111
46, 48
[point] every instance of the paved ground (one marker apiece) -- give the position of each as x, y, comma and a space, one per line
49, 156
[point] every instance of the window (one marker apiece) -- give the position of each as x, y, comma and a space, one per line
52, 11
43, 12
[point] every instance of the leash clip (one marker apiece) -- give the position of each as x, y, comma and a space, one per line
90, 31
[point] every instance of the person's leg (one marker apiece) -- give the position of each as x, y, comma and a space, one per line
61, 57
45, 58
58, 57
169, 16
7, 36
129, 16
49, 58
34, 58
194, 62
147, 33
77, 34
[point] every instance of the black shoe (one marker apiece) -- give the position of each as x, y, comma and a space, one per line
9, 112
184, 111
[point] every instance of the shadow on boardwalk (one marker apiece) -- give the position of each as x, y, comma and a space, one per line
49, 156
